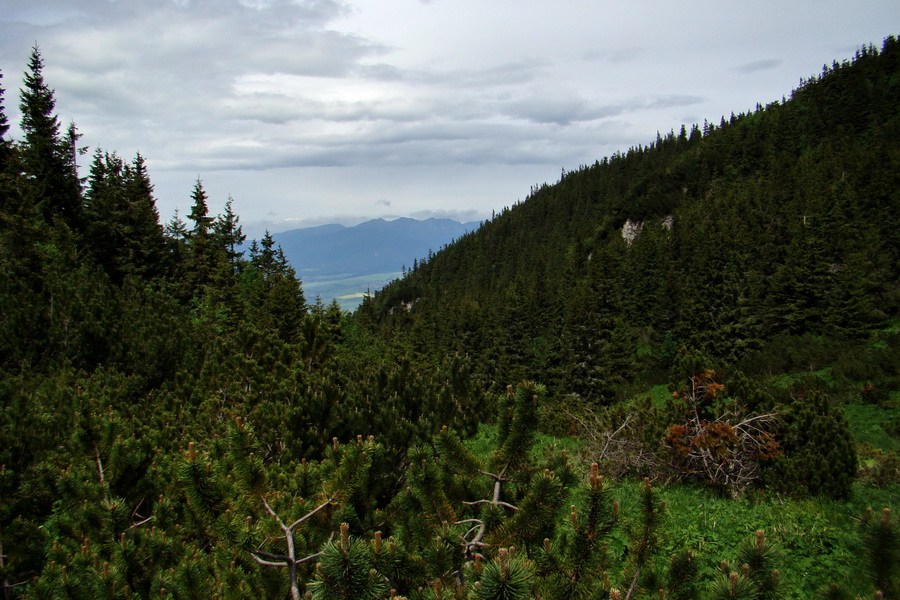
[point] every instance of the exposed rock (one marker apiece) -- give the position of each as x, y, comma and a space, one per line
631, 229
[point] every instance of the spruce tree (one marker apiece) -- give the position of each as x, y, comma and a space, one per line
106, 210
4, 129
272, 293
46, 156
230, 235
149, 244
123, 224
201, 257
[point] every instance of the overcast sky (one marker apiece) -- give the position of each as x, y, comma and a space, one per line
313, 111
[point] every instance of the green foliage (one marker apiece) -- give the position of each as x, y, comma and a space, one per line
574, 566
345, 571
819, 454
881, 541
508, 577
172, 412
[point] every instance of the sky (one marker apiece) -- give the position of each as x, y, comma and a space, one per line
317, 111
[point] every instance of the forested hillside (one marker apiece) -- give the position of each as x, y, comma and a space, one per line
178, 421
779, 222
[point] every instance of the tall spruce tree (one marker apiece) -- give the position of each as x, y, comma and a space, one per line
271, 290
53, 186
6, 148
229, 235
122, 220
147, 232
4, 129
201, 255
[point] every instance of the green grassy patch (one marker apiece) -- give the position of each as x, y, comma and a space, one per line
485, 441
788, 379
817, 538
660, 395
869, 423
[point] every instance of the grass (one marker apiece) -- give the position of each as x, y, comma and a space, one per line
817, 538
789, 379
660, 395
867, 424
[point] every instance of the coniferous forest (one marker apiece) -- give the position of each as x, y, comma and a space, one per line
673, 374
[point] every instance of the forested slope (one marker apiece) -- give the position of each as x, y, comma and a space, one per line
778, 222
132, 352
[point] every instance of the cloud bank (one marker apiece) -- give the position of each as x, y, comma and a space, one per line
311, 109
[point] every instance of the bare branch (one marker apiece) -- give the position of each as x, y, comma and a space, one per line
311, 513
492, 475
494, 502
144, 522
270, 556
272, 512
308, 558
613, 435
267, 563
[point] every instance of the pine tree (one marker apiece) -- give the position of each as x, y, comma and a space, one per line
881, 543
271, 291
149, 243
508, 577
229, 235
819, 453
755, 578
201, 249
346, 571
573, 567
5, 146
46, 156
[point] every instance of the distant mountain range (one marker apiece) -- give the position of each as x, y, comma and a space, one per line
335, 260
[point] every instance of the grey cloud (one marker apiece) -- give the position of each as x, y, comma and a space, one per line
759, 65
382, 72
614, 57
212, 49
176, 64
672, 101
565, 111
281, 109
561, 111
140, 67
405, 146
510, 73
